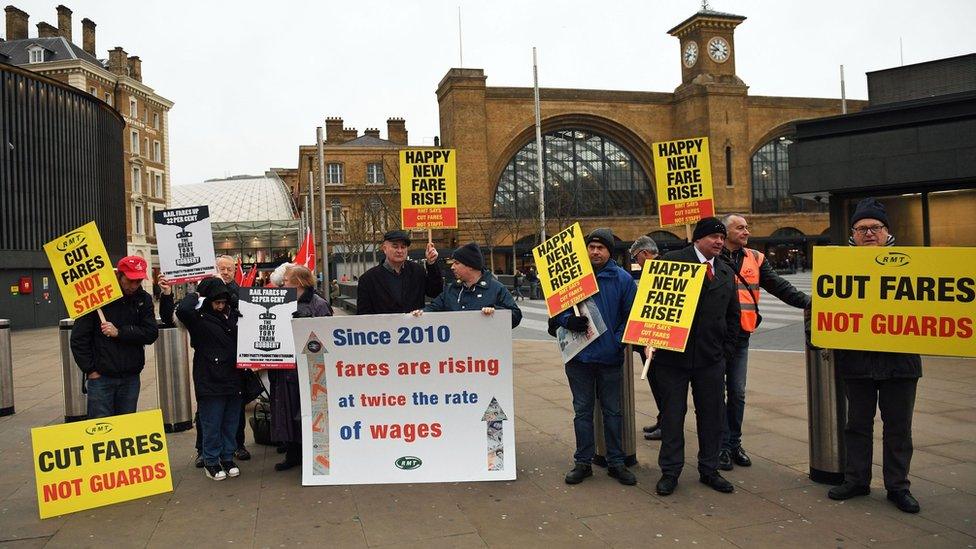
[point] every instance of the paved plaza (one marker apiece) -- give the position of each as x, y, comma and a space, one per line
775, 504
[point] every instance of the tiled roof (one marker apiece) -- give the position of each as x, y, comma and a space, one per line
237, 199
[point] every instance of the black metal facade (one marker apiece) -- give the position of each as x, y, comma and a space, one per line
61, 166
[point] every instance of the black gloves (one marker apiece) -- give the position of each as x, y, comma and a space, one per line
577, 323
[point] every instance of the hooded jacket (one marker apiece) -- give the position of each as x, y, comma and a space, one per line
120, 356
213, 337
486, 292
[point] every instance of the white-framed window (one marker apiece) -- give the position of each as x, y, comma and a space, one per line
150, 225
134, 142
137, 223
334, 173
374, 173
375, 215
337, 217
145, 115
133, 107
156, 120
35, 54
145, 146
93, 91
157, 152
158, 184
108, 98
136, 179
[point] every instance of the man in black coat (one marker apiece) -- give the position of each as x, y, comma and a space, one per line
398, 285
110, 354
710, 343
875, 380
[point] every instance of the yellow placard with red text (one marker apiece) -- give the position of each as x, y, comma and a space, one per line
564, 269
99, 462
902, 299
83, 270
683, 175
665, 304
428, 188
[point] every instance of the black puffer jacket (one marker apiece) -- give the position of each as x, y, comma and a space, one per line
213, 337
877, 365
118, 356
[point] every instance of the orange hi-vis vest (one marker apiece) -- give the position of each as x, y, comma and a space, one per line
749, 292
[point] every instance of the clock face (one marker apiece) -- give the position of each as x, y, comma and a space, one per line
690, 55
719, 50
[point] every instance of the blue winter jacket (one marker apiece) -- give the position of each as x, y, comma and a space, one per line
616, 296
487, 292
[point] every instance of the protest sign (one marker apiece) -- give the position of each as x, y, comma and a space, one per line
98, 462
428, 188
185, 242
564, 269
395, 398
570, 342
264, 329
899, 299
683, 175
664, 308
83, 270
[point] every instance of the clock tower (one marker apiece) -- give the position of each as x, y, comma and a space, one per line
708, 48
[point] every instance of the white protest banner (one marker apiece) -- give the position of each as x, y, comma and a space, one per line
185, 242
264, 337
395, 398
570, 342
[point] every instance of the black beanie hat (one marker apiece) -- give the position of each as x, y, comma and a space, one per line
470, 255
707, 226
870, 208
602, 235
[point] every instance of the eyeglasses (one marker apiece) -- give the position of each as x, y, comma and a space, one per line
873, 229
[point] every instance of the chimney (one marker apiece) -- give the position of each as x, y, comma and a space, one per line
372, 132
348, 134
135, 67
88, 35
64, 22
396, 131
118, 61
333, 130
46, 30
16, 23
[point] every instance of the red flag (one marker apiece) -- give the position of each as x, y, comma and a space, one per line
306, 253
251, 275
239, 275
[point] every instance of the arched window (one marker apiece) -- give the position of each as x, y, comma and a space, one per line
787, 232
663, 237
771, 181
586, 175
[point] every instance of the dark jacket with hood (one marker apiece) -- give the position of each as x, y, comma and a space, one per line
486, 292
120, 356
213, 337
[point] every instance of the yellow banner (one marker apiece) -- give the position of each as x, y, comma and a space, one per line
664, 308
83, 270
428, 188
565, 271
683, 176
98, 462
899, 299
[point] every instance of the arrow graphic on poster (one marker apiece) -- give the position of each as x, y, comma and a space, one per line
314, 352
493, 417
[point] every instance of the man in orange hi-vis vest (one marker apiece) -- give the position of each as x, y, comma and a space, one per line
752, 272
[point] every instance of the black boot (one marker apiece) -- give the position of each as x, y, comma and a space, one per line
293, 457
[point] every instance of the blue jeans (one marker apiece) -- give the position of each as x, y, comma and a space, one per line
586, 381
735, 397
218, 423
112, 396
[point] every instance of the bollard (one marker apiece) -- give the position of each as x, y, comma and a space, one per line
629, 427
173, 379
72, 379
826, 416
6, 370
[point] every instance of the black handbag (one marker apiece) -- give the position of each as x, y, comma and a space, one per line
261, 422
253, 388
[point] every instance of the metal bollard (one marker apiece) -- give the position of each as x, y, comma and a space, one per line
72, 380
173, 379
629, 426
6, 370
826, 416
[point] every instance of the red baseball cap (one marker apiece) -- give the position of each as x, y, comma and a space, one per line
133, 267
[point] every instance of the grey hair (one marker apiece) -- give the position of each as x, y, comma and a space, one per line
227, 257
727, 220
643, 243
278, 275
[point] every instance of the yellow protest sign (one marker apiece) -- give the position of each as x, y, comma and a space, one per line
83, 270
683, 175
664, 308
900, 299
428, 188
98, 462
565, 270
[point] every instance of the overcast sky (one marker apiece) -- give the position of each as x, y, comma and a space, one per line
251, 80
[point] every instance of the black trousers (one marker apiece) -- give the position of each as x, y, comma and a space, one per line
896, 399
240, 430
652, 381
708, 394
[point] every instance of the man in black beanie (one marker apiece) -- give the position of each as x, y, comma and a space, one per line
710, 344
398, 285
874, 380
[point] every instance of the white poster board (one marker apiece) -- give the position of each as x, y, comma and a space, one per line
570, 342
264, 338
185, 242
396, 398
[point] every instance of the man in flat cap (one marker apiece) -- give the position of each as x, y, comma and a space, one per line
398, 285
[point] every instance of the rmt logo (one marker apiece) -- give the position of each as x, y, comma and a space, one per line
99, 429
893, 259
408, 463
